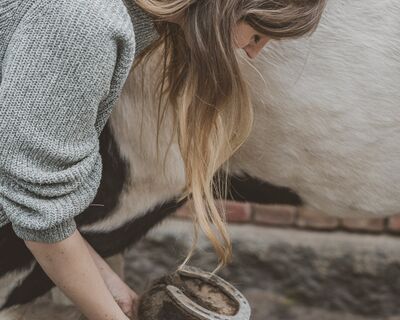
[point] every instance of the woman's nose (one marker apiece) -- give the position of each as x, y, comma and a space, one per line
254, 49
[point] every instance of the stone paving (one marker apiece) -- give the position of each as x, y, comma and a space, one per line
287, 274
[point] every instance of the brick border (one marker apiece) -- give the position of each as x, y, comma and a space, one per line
285, 216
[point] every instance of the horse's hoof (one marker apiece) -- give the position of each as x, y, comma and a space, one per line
192, 294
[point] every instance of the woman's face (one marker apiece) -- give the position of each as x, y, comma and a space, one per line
248, 39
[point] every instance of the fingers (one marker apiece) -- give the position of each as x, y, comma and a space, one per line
128, 306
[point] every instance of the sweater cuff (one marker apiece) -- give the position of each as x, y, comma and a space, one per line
56, 233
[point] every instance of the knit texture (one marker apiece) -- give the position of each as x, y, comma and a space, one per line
63, 65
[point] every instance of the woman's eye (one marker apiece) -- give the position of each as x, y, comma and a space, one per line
256, 38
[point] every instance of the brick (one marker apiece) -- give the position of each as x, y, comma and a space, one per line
278, 215
236, 211
364, 224
313, 219
394, 224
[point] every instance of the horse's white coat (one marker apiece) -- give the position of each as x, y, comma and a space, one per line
327, 118
327, 121
136, 112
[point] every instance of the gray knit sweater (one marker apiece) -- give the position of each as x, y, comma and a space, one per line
62, 67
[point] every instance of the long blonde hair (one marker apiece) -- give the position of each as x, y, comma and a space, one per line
206, 93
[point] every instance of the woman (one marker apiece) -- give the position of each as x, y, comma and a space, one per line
63, 65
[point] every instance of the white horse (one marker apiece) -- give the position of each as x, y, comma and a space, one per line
327, 124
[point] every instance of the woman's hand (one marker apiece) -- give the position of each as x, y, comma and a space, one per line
125, 297
70, 265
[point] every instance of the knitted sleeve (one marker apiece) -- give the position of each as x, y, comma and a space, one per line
56, 71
